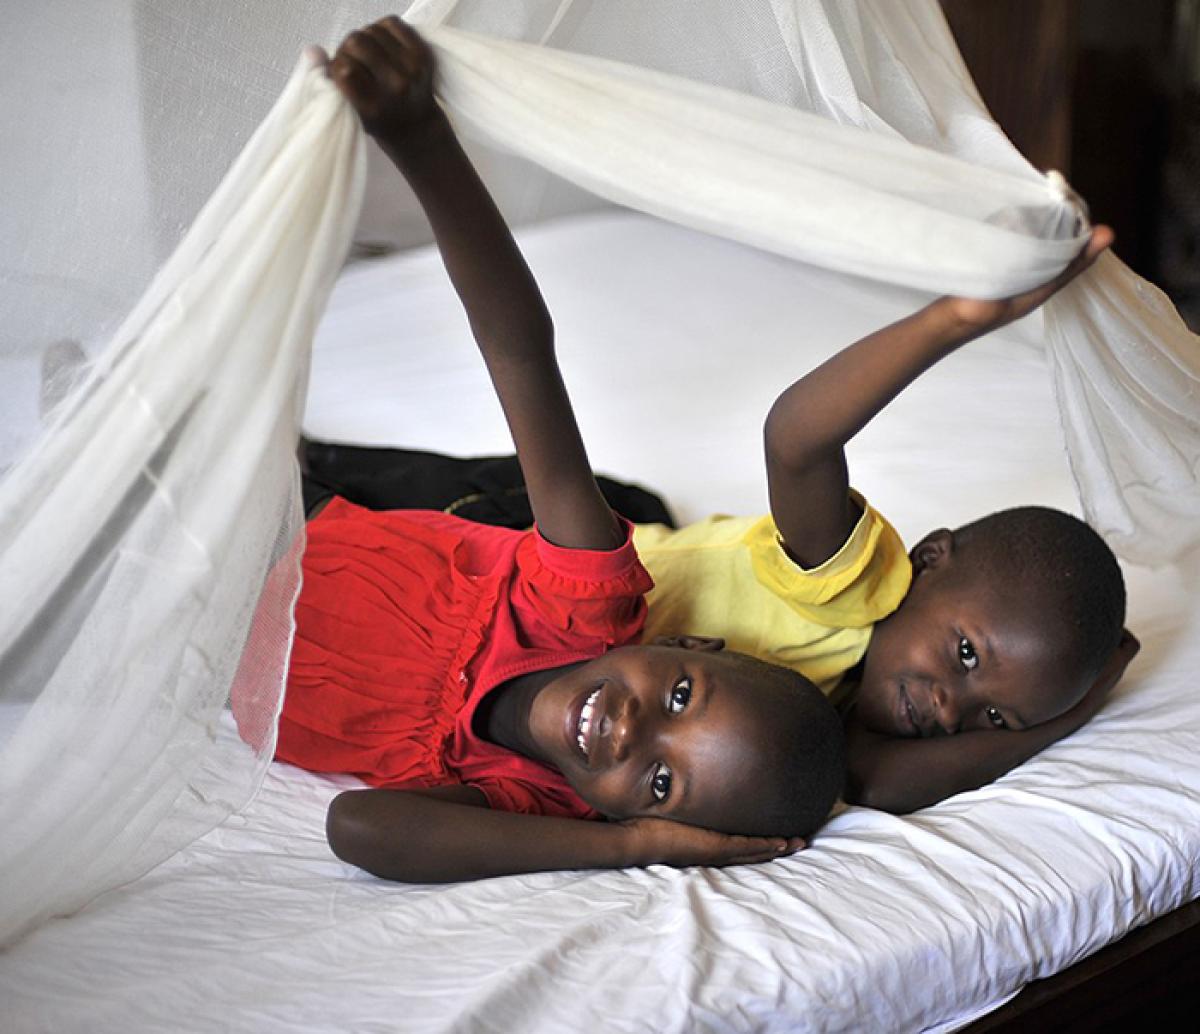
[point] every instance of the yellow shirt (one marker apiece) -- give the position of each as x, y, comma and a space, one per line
730, 577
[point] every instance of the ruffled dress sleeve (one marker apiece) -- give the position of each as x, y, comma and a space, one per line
583, 599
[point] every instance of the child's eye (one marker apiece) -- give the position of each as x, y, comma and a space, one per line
660, 784
681, 695
966, 654
996, 718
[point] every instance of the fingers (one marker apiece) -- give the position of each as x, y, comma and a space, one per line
663, 841
391, 47
385, 45
1114, 666
407, 37
1129, 642
752, 850
352, 77
1100, 240
1125, 651
362, 49
383, 66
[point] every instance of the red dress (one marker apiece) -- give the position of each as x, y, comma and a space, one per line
407, 619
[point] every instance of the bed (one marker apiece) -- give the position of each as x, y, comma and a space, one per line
673, 345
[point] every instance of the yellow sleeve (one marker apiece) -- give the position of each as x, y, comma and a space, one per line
860, 584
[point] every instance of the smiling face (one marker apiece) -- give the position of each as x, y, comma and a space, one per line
964, 652
679, 733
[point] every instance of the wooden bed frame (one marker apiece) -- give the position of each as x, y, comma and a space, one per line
1150, 980
1024, 55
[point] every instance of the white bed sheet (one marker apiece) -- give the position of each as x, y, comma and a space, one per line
673, 345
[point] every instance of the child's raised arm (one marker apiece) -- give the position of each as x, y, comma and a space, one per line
449, 833
811, 422
386, 72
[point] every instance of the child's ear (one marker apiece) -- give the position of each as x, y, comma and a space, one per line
933, 550
704, 643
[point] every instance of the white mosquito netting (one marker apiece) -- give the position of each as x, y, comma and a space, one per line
149, 526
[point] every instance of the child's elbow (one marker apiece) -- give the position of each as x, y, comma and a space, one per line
860, 795
788, 441
349, 829
865, 792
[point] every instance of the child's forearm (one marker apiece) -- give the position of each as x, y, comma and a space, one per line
823, 410
436, 836
512, 326
501, 298
905, 775
399, 835
811, 422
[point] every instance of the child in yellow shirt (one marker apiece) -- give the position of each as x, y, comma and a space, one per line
954, 663
731, 574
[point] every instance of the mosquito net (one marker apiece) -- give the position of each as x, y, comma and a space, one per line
149, 529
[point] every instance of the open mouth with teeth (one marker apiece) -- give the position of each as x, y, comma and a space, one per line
584, 726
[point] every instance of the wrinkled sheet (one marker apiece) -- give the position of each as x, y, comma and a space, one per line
673, 345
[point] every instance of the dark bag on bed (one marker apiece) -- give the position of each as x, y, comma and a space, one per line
487, 489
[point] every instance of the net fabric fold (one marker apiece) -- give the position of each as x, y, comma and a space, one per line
154, 530
140, 529
904, 179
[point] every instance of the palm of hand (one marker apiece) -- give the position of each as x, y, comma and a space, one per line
982, 314
989, 313
665, 842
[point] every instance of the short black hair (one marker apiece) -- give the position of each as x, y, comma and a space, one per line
805, 752
1063, 564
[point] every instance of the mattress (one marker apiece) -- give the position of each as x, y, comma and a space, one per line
673, 345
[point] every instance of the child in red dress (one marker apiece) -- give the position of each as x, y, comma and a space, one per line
493, 673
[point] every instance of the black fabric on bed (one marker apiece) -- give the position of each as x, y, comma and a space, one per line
487, 489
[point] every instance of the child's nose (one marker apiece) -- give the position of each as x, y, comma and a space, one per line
625, 729
947, 708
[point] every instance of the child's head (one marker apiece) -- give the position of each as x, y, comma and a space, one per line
1007, 623
684, 730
